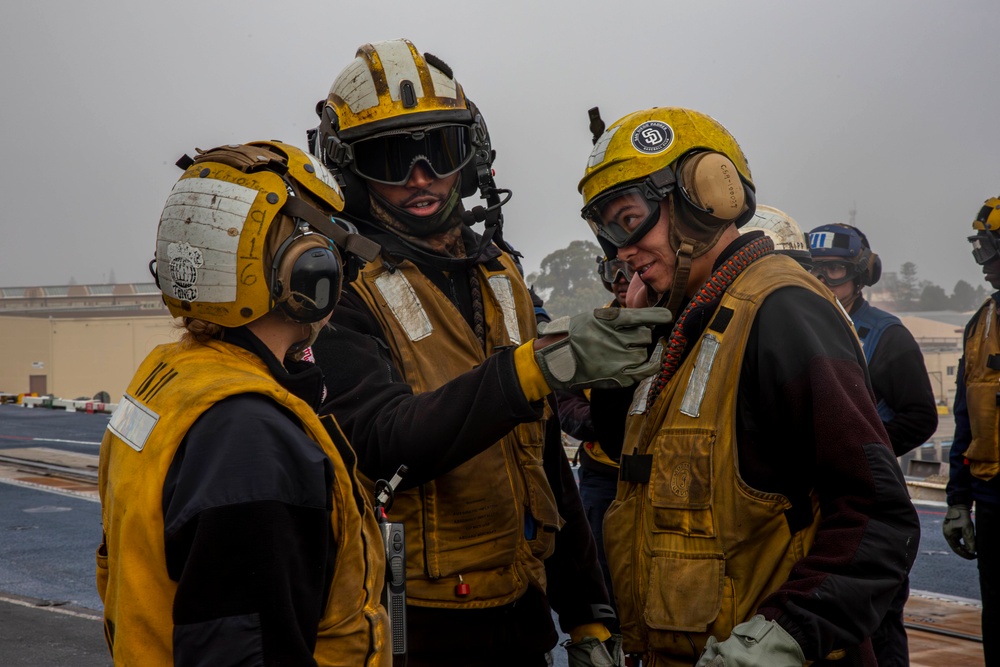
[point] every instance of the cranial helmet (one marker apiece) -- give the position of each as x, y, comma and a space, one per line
781, 228
986, 240
670, 155
844, 243
248, 228
392, 108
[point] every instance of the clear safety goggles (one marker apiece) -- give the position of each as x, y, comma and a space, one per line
611, 269
624, 216
985, 247
833, 272
389, 158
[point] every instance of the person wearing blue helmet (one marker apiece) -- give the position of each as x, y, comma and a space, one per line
844, 261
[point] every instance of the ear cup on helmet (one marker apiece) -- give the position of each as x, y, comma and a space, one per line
714, 194
869, 266
712, 184
873, 272
469, 180
483, 154
306, 277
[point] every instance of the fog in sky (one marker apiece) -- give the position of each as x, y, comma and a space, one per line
888, 108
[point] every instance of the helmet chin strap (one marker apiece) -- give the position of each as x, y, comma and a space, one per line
298, 349
687, 249
682, 271
855, 293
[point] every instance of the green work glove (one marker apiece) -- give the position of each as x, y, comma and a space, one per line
592, 652
756, 643
959, 531
605, 348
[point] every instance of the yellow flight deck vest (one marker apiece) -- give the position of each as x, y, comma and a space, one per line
470, 525
694, 550
982, 392
174, 385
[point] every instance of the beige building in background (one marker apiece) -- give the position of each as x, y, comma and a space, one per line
939, 335
74, 341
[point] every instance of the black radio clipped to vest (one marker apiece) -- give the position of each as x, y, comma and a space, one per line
394, 540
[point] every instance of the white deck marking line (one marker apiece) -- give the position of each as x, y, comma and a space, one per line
58, 610
91, 497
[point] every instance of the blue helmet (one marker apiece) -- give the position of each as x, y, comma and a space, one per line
849, 245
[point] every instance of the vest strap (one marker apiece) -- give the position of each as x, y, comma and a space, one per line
636, 468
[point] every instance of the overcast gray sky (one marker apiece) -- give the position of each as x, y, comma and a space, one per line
887, 106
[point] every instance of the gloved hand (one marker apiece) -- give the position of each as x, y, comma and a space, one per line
959, 531
755, 643
592, 652
604, 348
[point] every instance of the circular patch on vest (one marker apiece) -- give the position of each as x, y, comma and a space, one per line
652, 137
680, 479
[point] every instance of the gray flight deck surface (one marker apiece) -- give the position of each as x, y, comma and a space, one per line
49, 530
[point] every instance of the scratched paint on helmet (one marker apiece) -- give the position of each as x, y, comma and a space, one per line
323, 174
398, 66
199, 236
356, 87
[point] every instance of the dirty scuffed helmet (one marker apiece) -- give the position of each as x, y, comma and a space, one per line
249, 228
986, 241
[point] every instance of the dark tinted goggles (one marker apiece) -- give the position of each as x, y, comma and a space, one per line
623, 217
985, 247
610, 269
389, 158
832, 272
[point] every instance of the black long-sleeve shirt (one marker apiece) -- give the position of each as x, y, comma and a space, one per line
246, 510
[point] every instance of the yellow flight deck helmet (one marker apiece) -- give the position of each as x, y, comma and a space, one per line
678, 156
667, 150
391, 108
388, 85
986, 241
248, 228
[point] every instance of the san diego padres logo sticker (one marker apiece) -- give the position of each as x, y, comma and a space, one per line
652, 137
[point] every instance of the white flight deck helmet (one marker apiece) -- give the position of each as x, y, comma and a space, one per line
788, 237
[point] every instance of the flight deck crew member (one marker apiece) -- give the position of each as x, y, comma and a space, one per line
843, 261
975, 452
235, 531
437, 342
761, 518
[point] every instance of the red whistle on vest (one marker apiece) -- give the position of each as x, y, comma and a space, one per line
461, 588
